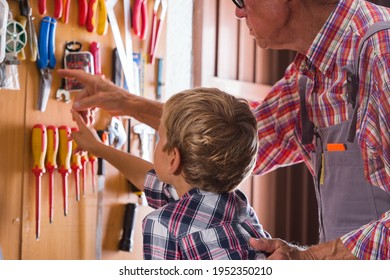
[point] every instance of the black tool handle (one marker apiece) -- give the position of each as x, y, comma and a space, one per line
127, 240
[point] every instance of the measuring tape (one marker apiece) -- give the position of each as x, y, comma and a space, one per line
16, 37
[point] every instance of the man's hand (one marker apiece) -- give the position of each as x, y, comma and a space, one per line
280, 250
98, 92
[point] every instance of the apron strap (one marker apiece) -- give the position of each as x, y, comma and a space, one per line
307, 125
353, 76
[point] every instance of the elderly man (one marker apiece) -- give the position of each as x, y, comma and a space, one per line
335, 120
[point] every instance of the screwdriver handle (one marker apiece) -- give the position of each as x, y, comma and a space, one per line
90, 23
127, 241
64, 150
39, 148
76, 166
52, 148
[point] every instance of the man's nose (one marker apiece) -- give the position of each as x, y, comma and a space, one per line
240, 13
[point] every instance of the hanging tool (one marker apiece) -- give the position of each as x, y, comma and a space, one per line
94, 49
25, 10
127, 67
83, 10
64, 152
3, 27
51, 163
92, 159
23, 21
76, 166
156, 26
140, 10
39, 148
99, 212
58, 7
46, 60
16, 37
97, 8
158, 75
65, 14
127, 240
84, 160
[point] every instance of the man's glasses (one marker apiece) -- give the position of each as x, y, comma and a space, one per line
239, 3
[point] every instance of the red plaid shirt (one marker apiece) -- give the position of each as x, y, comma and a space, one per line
278, 115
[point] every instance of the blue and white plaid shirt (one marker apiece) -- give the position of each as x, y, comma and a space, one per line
200, 225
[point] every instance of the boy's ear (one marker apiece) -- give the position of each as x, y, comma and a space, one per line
175, 161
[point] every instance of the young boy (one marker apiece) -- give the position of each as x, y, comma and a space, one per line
207, 145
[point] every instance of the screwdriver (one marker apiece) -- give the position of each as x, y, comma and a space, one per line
92, 159
76, 166
84, 160
51, 163
65, 150
39, 147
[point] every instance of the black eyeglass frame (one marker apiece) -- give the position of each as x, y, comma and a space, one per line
239, 3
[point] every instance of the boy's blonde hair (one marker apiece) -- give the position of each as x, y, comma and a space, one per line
216, 134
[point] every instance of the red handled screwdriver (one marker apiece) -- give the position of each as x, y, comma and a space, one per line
39, 147
64, 152
51, 163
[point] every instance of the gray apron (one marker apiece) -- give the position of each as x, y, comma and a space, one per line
346, 201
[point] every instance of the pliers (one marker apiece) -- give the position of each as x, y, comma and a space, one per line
46, 60
97, 7
140, 10
58, 7
156, 26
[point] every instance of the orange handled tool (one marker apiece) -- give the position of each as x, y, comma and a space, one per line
51, 163
84, 160
92, 159
39, 147
65, 14
76, 166
64, 153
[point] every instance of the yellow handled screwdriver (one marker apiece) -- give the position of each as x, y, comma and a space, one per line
76, 166
39, 147
64, 153
51, 163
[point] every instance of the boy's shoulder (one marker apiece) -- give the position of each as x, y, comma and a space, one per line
200, 210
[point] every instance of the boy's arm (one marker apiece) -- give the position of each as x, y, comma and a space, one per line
132, 167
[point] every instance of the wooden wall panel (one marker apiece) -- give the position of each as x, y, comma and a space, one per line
71, 237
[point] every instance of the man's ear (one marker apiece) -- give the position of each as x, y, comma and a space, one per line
174, 160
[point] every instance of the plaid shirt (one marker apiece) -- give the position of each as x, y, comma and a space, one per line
198, 226
278, 115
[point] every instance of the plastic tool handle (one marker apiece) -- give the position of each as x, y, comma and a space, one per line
90, 23
127, 240
58, 8
94, 49
103, 22
39, 148
65, 149
76, 166
83, 12
42, 6
46, 43
52, 148
65, 15
140, 6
